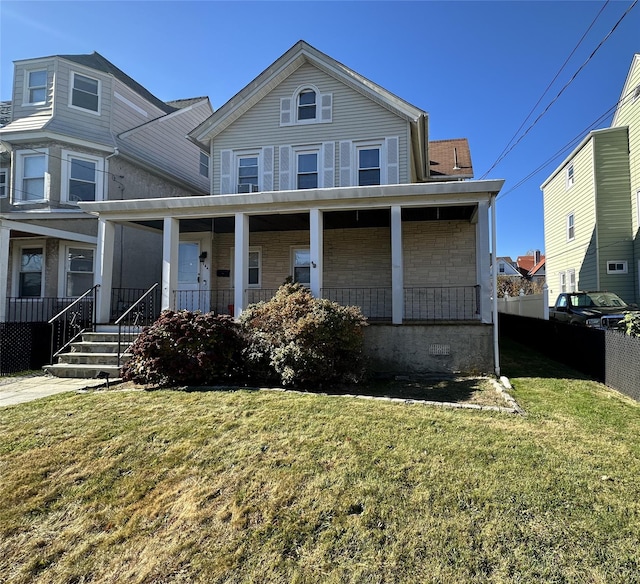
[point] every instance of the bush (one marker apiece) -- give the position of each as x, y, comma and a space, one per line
297, 339
186, 348
632, 323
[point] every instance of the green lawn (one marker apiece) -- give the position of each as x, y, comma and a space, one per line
245, 486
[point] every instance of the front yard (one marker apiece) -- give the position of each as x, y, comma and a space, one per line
245, 486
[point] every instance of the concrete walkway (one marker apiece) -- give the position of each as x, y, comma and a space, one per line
17, 390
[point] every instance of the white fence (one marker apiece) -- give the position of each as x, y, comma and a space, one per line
531, 305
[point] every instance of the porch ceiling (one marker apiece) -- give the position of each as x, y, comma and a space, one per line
332, 220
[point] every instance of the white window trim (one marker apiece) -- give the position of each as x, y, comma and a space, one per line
25, 95
571, 280
17, 255
562, 282
17, 190
65, 174
369, 145
638, 208
312, 149
237, 155
84, 109
570, 176
289, 107
568, 227
252, 249
4, 186
624, 270
63, 267
292, 251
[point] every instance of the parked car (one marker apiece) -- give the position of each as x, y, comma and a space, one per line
604, 310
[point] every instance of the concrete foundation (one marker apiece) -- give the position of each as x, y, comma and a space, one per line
430, 348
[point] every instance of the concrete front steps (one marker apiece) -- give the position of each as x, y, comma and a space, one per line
94, 355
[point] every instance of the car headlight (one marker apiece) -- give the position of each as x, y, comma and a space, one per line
593, 322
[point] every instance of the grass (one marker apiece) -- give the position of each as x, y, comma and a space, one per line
245, 486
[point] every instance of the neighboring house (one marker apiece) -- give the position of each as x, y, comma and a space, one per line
592, 207
532, 266
81, 130
321, 175
507, 267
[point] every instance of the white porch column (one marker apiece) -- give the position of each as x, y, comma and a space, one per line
170, 245
5, 232
397, 268
104, 269
316, 236
484, 261
240, 267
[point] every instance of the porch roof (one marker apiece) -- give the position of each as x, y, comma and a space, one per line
343, 198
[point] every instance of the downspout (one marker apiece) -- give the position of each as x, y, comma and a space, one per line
494, 285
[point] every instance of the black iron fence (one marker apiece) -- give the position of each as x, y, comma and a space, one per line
122, 299
451, 303
143, 311
34, 309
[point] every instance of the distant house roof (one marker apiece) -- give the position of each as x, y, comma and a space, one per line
182, 103
450, 158
539, 267
99, 63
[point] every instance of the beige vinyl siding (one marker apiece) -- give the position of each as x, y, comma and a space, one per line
163, 143
73, 121
33, 116
614, 210
354, 117
130, 110
559, 202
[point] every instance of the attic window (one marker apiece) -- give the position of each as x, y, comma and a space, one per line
37, 87
306, 106
85, 93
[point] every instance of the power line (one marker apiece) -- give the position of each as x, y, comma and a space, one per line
569, 144
504, 150
562, 90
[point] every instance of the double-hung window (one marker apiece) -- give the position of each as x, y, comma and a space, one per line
30, 275
254, 266
368, 160
301, 265
570, 176
204, 164
571, 227
306, 169
82, 177
31, 169
3, 184
36, 89
307, 105
248, 173
85, 92
79, 270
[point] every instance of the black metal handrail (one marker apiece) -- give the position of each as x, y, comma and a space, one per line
70, 324
140, 313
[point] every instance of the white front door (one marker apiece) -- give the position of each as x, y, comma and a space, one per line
192, 289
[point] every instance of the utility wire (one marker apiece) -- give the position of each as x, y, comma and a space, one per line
562, 90
504, 150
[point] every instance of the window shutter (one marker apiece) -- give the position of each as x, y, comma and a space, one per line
267, 168
345, 164
285, 111
225, 172
328, 164
393, 166
285, 168
326, 106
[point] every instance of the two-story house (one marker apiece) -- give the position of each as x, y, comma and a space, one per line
320, 175
592, 206
79, 129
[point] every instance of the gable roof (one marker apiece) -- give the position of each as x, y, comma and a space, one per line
282, 68
450, 158
628, 92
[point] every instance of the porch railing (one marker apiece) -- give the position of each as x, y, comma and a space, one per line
123, 298
34, 309
74, 319
432, 303
142, 312
443, 303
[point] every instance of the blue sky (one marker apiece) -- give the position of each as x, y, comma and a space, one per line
478, 68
